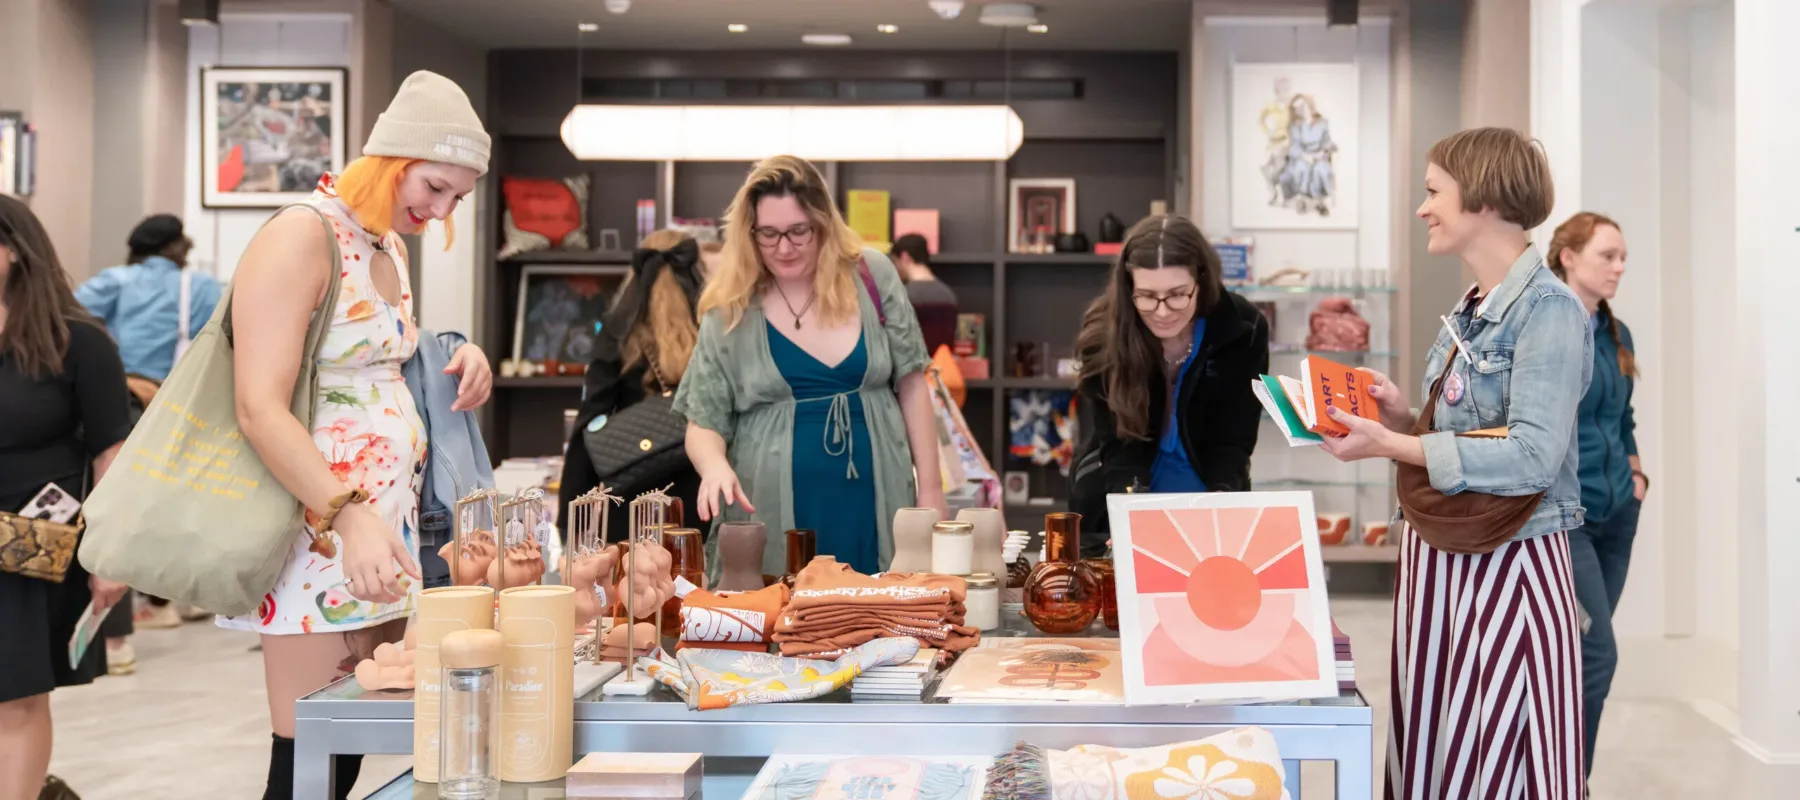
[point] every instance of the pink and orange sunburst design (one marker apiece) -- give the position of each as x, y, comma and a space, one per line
1223, 596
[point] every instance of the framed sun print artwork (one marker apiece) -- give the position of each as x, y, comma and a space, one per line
267, 134
559, 310
1037, 210
1221, 597
1294, 146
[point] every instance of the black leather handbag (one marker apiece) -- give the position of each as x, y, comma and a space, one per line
642, 446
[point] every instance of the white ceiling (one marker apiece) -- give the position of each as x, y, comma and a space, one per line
778, 24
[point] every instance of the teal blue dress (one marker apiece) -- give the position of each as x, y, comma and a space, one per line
834, 471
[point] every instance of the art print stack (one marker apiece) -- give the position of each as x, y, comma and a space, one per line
899, 683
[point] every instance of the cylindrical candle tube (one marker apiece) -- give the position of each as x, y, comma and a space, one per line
952, 548
983, 601
441, 611
537, 699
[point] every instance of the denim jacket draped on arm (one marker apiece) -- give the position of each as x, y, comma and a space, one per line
1530, 358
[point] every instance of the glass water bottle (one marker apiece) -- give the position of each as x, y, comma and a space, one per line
469, 725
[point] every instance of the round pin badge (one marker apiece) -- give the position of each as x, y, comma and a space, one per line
1453, 388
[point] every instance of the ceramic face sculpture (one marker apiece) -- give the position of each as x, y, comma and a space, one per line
912, 539
524, 565
585, 574
471, 565
390, 669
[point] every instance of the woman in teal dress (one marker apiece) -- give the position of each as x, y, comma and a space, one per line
806, 398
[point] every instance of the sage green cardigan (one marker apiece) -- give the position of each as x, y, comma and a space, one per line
733, 387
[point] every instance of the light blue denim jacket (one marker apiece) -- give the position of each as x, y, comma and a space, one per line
1531, 356
456, 456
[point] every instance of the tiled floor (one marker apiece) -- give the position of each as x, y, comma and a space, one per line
192, 723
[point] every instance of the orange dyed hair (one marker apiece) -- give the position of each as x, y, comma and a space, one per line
371, 184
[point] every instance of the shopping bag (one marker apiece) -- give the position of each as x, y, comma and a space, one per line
188, 511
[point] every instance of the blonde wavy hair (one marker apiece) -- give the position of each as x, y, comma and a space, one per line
741, 274
666, 329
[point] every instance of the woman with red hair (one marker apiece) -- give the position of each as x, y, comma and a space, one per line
351, 575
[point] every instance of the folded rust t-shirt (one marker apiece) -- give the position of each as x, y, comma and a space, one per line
735, 617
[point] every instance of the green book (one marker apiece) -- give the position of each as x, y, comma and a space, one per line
1276, 400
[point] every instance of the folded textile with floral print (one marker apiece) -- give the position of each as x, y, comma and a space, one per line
1243, 764
709, 679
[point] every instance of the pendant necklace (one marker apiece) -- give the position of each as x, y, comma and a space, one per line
1173, 366
790, 305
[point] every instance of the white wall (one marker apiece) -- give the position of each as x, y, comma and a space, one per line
1655, 135
1229, 40
250, 40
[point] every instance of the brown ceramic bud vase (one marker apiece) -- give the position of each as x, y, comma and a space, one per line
912, 539
741, 546
1062, 596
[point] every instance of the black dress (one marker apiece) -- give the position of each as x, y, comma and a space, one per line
54, 427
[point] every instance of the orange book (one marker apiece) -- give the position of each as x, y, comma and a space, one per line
1325, 384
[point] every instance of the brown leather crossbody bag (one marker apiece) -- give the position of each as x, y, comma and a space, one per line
1470, 523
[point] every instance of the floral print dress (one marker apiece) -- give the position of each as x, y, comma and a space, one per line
367, 429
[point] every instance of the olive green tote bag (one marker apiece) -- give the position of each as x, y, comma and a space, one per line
187, 511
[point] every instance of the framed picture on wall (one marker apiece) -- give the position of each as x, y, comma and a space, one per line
1294, 146
1037, 210
267, 134
559, 312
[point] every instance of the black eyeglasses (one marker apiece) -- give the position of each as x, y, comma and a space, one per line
1178, 301
799, 235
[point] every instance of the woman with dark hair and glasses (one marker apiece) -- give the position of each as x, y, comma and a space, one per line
643, 348
62, 394
806, 398
1167, 357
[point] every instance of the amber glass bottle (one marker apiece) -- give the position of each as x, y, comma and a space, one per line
802, 546
1109, 590
687, 559
1063, 594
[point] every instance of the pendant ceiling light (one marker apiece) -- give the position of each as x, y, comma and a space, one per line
820, 133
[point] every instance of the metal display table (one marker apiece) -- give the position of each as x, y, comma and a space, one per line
342, 718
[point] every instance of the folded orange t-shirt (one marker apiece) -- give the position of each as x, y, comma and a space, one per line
739, 617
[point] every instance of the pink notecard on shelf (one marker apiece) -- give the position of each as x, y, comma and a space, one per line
922, 221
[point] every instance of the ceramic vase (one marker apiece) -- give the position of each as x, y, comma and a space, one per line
741, 546
990, 538
912, 539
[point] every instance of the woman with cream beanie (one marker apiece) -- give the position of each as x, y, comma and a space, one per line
352, 571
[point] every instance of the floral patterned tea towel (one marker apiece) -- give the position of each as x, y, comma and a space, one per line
1240, 764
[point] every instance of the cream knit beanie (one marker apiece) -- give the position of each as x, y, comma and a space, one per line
431, 118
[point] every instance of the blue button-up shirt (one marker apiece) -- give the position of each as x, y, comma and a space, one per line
140, 304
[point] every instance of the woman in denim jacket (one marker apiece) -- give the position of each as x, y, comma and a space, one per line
1486, 687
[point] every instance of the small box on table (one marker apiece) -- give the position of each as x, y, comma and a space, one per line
653, 776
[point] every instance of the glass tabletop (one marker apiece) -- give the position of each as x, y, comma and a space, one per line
1012, 625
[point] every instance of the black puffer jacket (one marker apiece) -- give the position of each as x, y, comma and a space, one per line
1217, 413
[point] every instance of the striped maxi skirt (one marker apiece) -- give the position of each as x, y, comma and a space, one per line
1486, 674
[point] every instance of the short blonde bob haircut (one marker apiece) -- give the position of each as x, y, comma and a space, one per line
370, 186
1501, 169
740, 272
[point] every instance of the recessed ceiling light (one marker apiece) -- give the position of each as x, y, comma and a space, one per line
826, 39
587, 27
1038, 28
888, 28
737, 27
